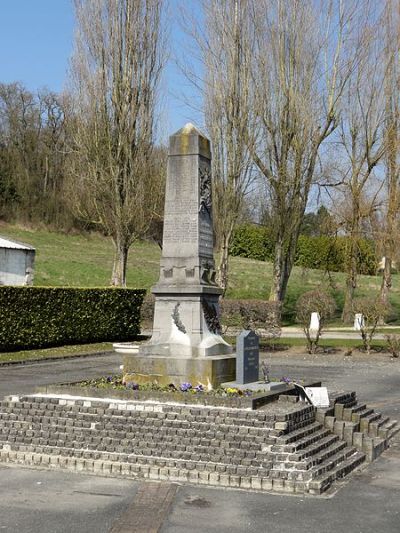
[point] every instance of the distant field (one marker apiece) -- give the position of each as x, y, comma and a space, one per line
76, 260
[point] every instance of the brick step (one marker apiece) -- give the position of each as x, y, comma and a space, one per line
346, 412
393, 427
155, 472
375, 425
135, 421
112, 438
302, 443
23, 414
365, 421
161, 469
357, 416
206, 454
145, 460
122, 431
331, 462
212, 449
325, 480
314, 448
112, 408
300, 433
312, 460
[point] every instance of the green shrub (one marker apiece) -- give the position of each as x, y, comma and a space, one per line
254, 242
325, 253
35, 317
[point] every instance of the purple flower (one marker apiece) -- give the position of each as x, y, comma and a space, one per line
185, 387
132, 385
286, 380
199, 388
109, 379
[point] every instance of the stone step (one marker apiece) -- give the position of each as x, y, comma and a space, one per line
297, 434
365, 421
113, 407
176, 473
375, 425
357, 416
315, 457
221, 446
111, 439
373, 447
389, 429
148, 424
330, 463
347, 412
308, 440
16, 412
314, 448
325, 480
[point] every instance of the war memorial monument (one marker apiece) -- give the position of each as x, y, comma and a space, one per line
263, 440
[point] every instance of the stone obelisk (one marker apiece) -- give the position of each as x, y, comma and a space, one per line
186, 344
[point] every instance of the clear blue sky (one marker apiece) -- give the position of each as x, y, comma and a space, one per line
36, 42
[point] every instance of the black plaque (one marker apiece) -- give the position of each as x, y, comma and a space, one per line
247, 357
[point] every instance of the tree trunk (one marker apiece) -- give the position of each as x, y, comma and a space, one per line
351, 284
347, 313
277, 269
352, 270
223, 263
118, 278
386, 281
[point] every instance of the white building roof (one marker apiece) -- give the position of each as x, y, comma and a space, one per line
8, 243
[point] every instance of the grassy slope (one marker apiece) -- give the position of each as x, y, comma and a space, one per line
76, 260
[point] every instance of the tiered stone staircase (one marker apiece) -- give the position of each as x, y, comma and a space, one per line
281, 447
358, 425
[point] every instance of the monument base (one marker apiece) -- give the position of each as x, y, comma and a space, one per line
256, 386
164, 370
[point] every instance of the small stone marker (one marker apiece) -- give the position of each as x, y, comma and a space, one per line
247, 357
358, 321
314, 324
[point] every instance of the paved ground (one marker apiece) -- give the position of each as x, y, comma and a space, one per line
33, 501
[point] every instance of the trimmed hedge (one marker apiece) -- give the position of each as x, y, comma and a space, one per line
326, 253
36, 317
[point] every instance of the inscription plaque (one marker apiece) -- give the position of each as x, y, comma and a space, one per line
247, 357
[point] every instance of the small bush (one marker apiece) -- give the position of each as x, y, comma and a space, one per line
258, 315
393, 344
316, 301
35, 317
373, 311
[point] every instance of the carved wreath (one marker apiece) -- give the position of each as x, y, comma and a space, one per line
205, 188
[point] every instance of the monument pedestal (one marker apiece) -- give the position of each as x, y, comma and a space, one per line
186, 345
164, 370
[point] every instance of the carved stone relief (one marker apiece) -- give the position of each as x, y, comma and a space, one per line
205, 189
211, 317
177, 319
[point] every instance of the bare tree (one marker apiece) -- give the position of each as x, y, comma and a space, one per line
116, 69
302, 60
32, 138
391, 22
361, 145
227, 58
222, 46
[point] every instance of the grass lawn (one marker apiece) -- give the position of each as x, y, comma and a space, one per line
58, 351
86, 261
